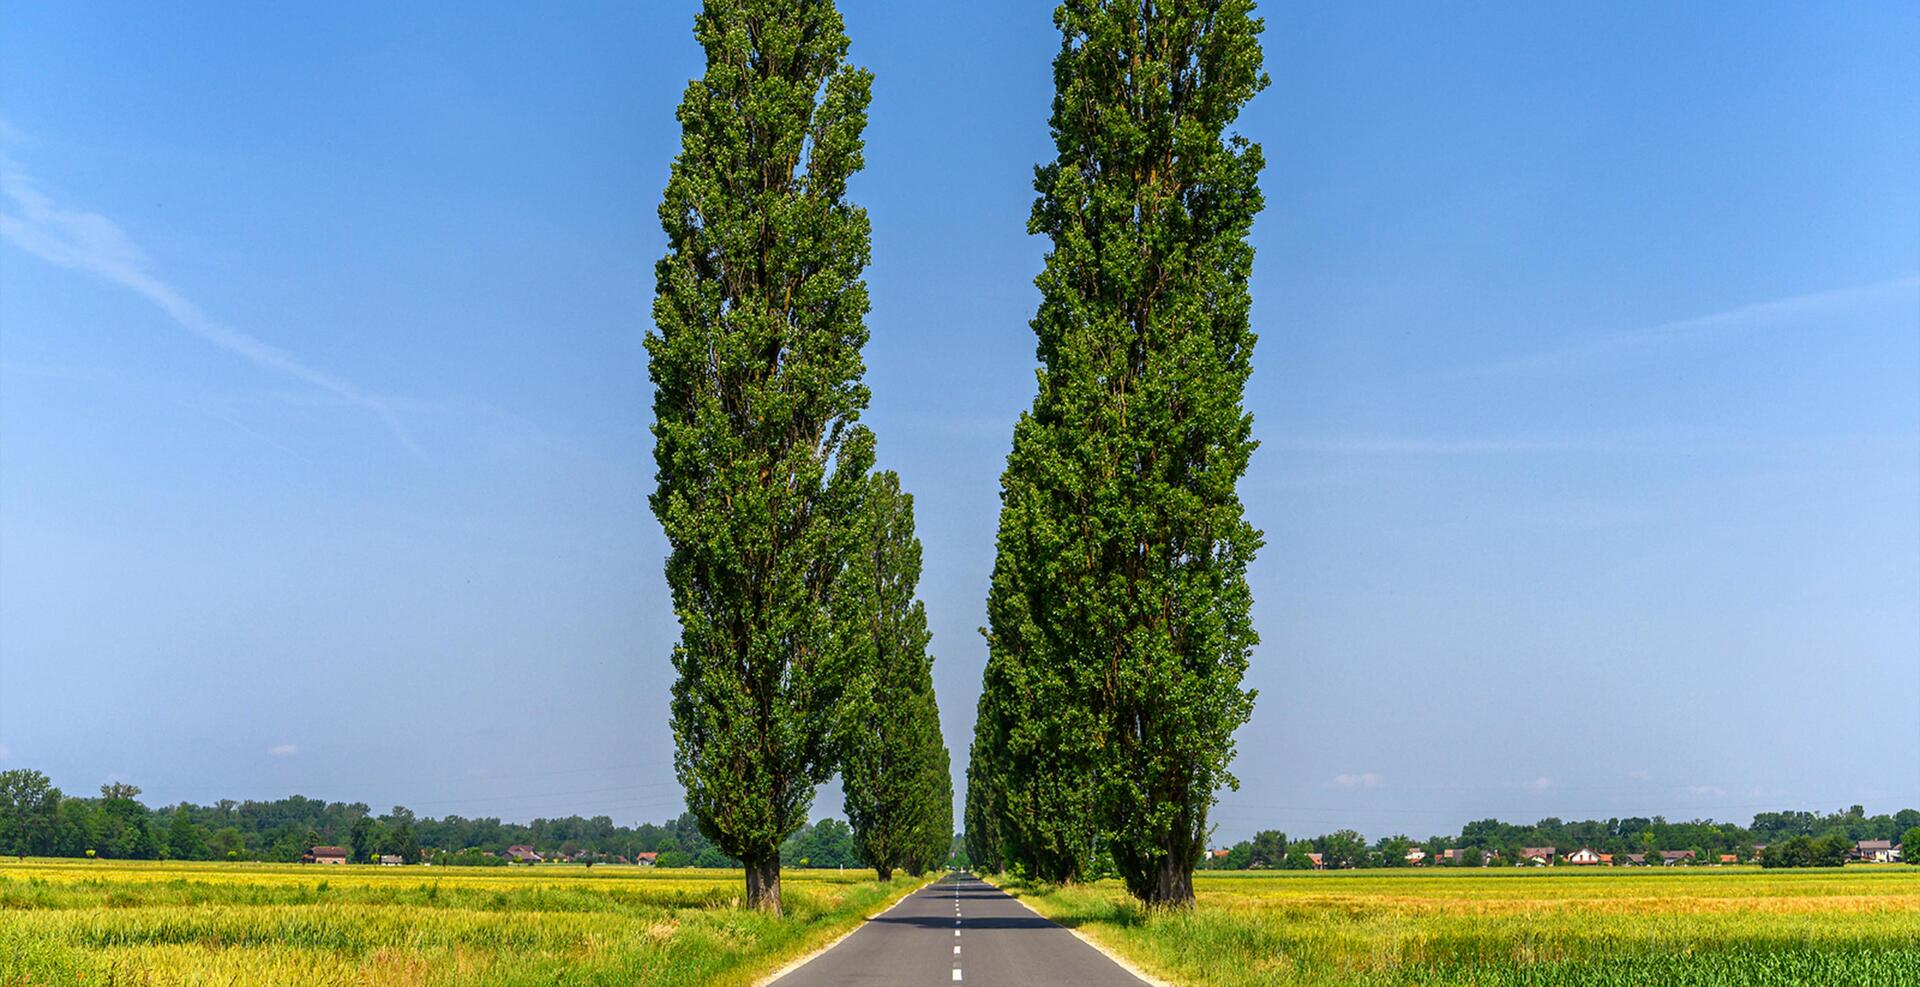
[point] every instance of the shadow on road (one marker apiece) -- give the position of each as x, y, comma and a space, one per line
946, 922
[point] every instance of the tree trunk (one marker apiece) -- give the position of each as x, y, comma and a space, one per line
1172, 883
763, 885
886, 873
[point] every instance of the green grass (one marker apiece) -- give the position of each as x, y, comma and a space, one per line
1705, 926
116, 922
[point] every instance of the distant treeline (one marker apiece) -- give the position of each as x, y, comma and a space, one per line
1807, 838
37, 819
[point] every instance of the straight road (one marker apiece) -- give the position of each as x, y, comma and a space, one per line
960, 929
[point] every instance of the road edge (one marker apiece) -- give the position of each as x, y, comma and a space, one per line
1121, 961
801, 961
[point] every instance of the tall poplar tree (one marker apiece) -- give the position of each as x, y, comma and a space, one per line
1033, 759
982, 816
755, 359
1120, 612
899, 795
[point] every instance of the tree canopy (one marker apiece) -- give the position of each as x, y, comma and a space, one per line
895, 770
1119, 611
755, 360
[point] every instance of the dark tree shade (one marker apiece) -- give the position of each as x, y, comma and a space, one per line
1119, 610
755, 360
899, 796
982, 818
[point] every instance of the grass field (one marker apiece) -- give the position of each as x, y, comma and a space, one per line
113, 922
1732, 926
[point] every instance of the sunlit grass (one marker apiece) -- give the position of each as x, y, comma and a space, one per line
1705, 926
73, 921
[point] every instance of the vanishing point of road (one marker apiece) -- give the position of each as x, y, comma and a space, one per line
960, 929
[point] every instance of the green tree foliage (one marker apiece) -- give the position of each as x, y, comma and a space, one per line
1807, 851
827, 843
1910, 845
1393, 850
77, 827
186, 839
671, 855
899, 793
29, 813
365, 838
755, 359
1268, 849
284, 829
982, 811
1342, 849
227, 843
1119, 608
124, 829
401, 842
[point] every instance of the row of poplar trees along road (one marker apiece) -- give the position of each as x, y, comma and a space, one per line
1119, 608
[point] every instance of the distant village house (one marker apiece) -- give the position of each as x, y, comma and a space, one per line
1877, 852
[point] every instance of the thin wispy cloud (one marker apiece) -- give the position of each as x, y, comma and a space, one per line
1795, 308
92, 243
1366, 779
284, 750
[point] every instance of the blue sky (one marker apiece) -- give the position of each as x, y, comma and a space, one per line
1588, 391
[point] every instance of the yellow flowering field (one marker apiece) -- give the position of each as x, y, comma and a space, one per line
136, 922
1548, 926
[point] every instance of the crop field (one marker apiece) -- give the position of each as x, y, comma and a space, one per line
115, 922
1694, 926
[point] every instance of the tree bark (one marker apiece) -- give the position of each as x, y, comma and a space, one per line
1172, 883
886, 873
763, 885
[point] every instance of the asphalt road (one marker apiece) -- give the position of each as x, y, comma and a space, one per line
960, 929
